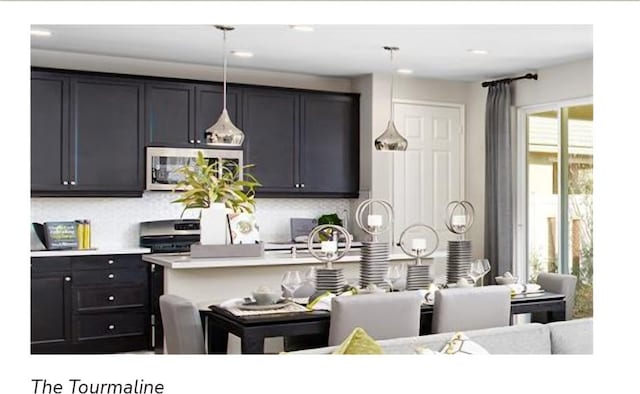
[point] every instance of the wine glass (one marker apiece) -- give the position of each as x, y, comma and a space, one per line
392, 275
291, 281
478, 269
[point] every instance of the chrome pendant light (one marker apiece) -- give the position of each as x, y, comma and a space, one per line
224, 132
391, 139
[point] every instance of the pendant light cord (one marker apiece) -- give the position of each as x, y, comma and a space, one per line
391, 98
224, 70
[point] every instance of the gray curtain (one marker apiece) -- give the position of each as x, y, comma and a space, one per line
498, 228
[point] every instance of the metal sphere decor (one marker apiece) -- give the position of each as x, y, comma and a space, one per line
372, 227
459, 216
329, 257
419, 250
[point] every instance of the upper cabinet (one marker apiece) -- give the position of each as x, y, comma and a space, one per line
89, 132
87, 135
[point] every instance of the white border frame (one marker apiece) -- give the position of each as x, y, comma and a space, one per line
521, 244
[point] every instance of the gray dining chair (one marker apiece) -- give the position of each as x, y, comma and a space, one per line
473, 308
182, 325
560, 284
382, 316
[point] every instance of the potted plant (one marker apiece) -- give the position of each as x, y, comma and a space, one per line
216, 188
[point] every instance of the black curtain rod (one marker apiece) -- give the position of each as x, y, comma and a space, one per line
526, 76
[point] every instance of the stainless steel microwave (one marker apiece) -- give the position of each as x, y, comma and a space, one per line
162, 164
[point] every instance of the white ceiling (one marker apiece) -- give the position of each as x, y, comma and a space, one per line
432, 51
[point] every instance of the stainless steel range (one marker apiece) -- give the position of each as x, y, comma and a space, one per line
169, 236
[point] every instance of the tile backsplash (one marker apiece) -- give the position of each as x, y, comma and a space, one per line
115, 221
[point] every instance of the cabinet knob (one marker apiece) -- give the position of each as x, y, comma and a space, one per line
111, 327
302, 185
192, 141
111, 276
65, 183
111, 298
197, 141
110, 262
67, 279
73, 183
297, 185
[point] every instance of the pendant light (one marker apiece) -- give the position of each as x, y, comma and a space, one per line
224, 132
391, 139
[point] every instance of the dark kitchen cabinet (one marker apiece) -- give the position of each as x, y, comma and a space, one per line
271, 124
329, 144
86, 135
170, 114
50, 304
49, 131
302, 143
90, 304
209, 104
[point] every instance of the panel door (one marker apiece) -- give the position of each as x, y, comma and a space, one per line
429, 174
209, 104
271, 124
329, 144
107, 136
49, 132
50, 308
170, 114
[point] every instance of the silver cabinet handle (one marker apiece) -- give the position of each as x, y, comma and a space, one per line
302, 185
111, 276
192, 141
67, 279
73, 182
65, 183
197, 141
110, 262
111, 327
111, 298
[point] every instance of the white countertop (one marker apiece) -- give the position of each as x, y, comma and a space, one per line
88, 252
272, 258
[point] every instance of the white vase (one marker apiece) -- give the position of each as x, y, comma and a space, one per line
213, 225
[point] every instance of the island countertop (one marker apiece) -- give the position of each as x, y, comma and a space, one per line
270, 258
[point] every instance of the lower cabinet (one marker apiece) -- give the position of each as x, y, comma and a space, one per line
92, 304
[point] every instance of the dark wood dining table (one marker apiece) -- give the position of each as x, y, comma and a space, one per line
253, 329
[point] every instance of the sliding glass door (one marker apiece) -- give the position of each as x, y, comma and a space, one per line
555, 199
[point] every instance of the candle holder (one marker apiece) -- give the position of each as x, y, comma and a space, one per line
329, 278
460, 215
419, 275
374, 254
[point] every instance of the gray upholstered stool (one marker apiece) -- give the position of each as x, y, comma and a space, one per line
182, 325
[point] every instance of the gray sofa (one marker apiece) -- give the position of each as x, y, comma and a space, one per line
567, 337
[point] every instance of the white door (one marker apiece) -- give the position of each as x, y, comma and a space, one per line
429, 174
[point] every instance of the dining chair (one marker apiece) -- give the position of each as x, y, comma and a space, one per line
473, 308
182, 325
561, 284
382, 316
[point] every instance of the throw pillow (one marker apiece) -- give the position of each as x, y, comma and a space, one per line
359, 342
425, 351
460, 344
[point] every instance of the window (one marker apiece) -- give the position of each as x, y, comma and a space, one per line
555, 196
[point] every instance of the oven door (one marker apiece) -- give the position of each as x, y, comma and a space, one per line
163, 163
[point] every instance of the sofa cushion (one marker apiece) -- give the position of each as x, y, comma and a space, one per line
358, 342
572, 337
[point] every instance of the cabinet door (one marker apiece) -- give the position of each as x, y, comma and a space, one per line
170, 112
329, 144
209, 104
271, 125
49, 131
107, 134
50, 308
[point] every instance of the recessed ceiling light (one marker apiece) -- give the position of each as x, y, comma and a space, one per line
40, 33
242, 53
404, 71
478, 51
302, 28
